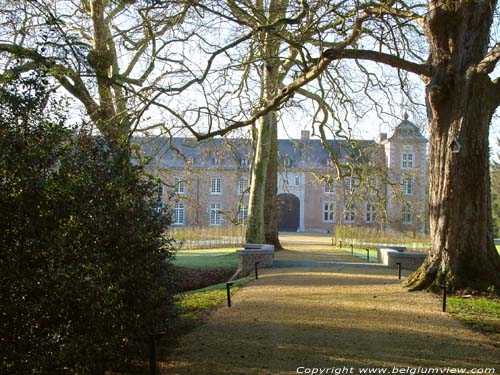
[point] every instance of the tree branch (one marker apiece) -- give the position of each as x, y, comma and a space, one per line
489, 62
61, 73
379, 57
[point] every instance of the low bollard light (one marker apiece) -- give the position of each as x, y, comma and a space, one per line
152, 355
340, 244
256, 270
399, 270
228, 291
352, 249
367, 255
444, 288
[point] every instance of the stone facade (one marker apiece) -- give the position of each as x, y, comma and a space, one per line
207, 183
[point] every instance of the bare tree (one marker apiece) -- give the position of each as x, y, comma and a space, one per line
103, 53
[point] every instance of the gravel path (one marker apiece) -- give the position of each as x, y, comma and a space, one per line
294, 319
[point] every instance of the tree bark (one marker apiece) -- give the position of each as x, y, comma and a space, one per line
460, 104
271, 212
255, 223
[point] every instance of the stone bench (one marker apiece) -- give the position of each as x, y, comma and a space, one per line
262, 253
395, 248
409, 260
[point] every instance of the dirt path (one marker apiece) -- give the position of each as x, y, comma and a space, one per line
323, 318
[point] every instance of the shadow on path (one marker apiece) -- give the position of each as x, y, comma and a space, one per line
343, 315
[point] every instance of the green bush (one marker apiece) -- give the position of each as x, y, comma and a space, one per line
85, 273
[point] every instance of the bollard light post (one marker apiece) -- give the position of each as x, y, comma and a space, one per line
444, 288
399, 270
256, 270
152, 355
352, 249
367, 255
228, 291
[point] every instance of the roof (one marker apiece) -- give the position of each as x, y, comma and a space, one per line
231, 153
407, 131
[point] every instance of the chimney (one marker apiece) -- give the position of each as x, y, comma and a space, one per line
305, 135
382, 137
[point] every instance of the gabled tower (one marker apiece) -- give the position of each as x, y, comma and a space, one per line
406, 160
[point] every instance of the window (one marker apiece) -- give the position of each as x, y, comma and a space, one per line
178, 217
328, 212
406, 160
407, 214
242, 185
351, 184
215, 214
370, 213
408, 186
297, 180
349, 215
180, 185
215, 185
348, 184
329, 187
242, 213
372, 186
244, 162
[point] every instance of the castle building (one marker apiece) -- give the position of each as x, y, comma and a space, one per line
378, 183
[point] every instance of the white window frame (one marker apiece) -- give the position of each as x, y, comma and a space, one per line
349, 216
242, 214
215, 214
372, 186
242, 185
329, 187
180, 186
407, 160
216, 186
178, 216
351, 184
408, 185
297, 180
371, 213
407, 214
328, 211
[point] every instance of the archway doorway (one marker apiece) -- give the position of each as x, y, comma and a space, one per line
289, 206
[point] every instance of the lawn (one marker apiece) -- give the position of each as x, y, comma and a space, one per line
361, 253
196, 304
481, 313
206, 259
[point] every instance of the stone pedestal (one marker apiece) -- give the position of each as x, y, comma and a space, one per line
262, 253
409, 260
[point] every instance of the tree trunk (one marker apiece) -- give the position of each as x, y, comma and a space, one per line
255, 222
271, 211
460, 104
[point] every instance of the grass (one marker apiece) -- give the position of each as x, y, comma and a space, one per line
361, 252
481, 313
197, 304
210, 258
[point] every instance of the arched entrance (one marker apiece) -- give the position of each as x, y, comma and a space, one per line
289, 206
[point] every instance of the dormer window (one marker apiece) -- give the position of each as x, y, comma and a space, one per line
244, 162
329, 163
